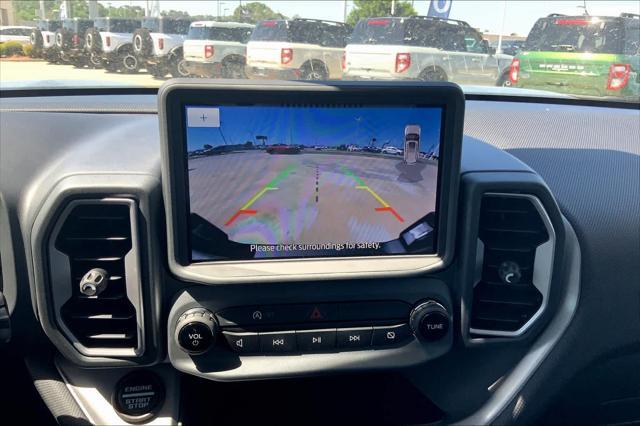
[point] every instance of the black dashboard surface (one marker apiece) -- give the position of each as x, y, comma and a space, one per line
588, 156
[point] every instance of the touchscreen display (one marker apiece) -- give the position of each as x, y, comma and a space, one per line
330, 181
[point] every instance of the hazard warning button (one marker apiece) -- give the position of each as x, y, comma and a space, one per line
321, 312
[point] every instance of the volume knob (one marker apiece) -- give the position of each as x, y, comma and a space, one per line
430, 321
196, 331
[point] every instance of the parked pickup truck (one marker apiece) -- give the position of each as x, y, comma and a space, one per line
216, 49
109, 44
158, 46
581, 55
43, 39
305, 49
422, 48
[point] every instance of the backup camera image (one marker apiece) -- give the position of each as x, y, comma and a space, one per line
278, 182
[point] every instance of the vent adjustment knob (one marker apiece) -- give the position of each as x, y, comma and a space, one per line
94, 282
430, 321
196, 331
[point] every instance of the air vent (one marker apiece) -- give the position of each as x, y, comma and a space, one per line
90, 235
515, 252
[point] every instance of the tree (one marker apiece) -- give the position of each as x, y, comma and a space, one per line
181, 14
125, 11
254, 12
29, 10
371, 8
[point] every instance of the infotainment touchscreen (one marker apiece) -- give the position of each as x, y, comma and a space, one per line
311, 181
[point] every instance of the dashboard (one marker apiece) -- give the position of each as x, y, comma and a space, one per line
522, 218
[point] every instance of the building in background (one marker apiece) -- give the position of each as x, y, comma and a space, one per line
7, 14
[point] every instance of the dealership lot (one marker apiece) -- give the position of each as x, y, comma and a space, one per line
311, 197
37, 71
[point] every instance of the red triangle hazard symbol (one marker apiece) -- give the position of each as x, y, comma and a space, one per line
316, 314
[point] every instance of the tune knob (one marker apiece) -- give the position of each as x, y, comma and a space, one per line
430, 320
196, 331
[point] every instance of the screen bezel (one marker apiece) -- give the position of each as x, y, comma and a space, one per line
175, 95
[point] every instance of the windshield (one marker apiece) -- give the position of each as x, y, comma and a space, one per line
152, 24
220, 33
513, 48
175, 26
271, 31
576, 35
48, 25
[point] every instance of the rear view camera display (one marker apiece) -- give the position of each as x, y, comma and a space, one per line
291, 182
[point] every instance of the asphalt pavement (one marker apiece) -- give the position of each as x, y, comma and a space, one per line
311, 198
14, 71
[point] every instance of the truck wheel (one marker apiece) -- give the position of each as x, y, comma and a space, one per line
178, 67
157, 71
95, 61
37, 42
79, 62
433, 74
111, 66
314, 71
233, 70
129, 64
504, 81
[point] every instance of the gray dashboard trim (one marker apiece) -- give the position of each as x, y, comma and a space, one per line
542, 267
143, 188
59, 268
517, 379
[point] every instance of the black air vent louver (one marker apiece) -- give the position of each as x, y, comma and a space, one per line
510, 229
98, 235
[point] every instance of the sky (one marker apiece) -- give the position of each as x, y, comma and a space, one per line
318, 126
484, 15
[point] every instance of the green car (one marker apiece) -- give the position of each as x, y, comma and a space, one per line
581, 55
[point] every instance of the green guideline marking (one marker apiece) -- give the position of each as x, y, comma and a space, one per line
348, 172
283, 174
271, 186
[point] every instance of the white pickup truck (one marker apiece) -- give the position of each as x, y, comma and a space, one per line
109, 44
158, 46
43, 39
305, 49
422, 48
216, 49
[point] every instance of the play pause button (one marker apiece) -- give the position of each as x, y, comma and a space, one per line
316, 340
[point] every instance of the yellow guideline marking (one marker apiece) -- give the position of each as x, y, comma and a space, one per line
377, 197
255, 197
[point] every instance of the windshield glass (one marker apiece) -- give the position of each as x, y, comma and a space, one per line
152, 24
220, 33
514, 48
271, 31
378, 31
576, 35
175, 26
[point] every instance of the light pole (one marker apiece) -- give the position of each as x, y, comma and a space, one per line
504, 15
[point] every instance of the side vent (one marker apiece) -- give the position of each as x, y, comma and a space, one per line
515, 256
98, 235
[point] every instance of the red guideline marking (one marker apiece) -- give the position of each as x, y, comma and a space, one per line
390, 210
238, 213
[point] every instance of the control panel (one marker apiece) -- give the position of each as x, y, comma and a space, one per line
305, 328
215, 338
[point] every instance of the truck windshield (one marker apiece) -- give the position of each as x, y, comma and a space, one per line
175, 26
240, 34
271, 31
569, 34
378, 31
152, 24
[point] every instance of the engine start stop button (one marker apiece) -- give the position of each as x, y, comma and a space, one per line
138, 396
